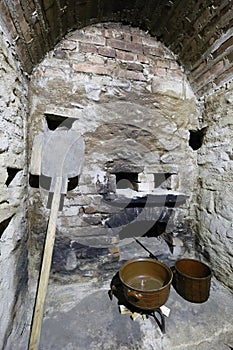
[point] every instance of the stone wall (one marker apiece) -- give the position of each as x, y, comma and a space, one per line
13, 182
128, 97
214, 212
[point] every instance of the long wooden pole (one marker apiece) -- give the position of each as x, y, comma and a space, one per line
45, 269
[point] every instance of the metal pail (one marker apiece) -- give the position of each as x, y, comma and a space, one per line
192, 280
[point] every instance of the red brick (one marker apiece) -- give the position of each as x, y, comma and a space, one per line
22, 22
223, 47
96, 59
217, 68
204, 77
107, 52
113, 33
200, 91
92, 30
4, 10
89, 39
133, 66
90, 68
22, 51
26, 31
224, 76
124, 45
6, 17
146, 59
229, 57
86, 47
155, 51
198, 70
126, 56
131, 75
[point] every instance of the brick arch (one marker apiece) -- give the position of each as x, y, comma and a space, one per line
199, 32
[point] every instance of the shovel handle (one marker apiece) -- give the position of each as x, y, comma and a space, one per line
45, 269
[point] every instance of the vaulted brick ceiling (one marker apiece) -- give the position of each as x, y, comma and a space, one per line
189, 28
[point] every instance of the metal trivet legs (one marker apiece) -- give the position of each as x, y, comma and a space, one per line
116, 289
144, 314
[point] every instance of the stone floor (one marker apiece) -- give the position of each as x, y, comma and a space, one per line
81, 316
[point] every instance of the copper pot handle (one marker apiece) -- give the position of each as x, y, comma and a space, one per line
134, 295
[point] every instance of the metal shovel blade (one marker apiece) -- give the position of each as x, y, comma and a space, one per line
62, 154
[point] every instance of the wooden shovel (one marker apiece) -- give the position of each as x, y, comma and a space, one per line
62, 158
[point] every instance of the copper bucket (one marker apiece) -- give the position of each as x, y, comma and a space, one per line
192, 280
146, 282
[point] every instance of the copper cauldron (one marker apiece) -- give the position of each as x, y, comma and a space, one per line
146, 282
192, 279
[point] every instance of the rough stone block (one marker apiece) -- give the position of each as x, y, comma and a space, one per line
172, 88
54, 73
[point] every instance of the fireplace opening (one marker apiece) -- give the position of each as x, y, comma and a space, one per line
11, 175
4, 224
196, 138
125, 180
143, 228
163, 180
37, 181
54, 121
